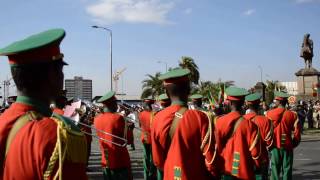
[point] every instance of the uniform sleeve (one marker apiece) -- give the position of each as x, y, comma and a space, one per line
208, 144
219, 134
296, 132
255, 145
157, 147
268, 138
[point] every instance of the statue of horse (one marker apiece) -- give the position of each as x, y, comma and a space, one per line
307, 51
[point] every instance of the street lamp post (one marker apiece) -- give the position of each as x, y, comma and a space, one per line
110, 32
164, 63
267, 75
261, 72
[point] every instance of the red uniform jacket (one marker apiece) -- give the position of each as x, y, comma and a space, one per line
266, 133
159, 134
58, 111
186, 158
145, 120
32, 147
285, 122
113, 156
240, 153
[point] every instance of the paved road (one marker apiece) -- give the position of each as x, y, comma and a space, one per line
306, 159
94, 168
306, 164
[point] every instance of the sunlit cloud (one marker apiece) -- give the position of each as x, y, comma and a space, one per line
130, 11
249, 12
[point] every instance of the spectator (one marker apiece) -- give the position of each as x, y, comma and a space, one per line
301, 114
310, 115
316, 116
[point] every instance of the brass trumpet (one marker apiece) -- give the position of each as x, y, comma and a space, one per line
129, 108
106, 133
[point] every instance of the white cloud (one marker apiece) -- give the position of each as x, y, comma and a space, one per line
131, 11
306, 1
188, 11
249, 12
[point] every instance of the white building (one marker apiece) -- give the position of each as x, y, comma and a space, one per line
292, 87
79, 88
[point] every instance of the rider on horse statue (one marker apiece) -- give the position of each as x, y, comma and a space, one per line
307, 50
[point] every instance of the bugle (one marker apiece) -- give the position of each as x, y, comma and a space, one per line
103, 132
129, 108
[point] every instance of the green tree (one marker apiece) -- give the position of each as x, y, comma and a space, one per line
272, 86
206, 88
152, 86
188, 63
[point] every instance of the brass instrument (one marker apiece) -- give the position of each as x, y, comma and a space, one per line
129, 108
106, 133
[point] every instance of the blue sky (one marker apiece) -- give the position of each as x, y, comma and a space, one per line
228, 39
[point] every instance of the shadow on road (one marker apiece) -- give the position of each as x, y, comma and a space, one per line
305, 174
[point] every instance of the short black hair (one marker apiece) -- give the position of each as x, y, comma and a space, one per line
147, 106
178, 89
61, 102
30, 77
197, 102
284, 102
237, 104
255, 106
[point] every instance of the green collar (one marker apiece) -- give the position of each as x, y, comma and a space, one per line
181, 103
38, 105
105, 109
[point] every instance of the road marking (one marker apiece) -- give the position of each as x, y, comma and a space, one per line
302, 159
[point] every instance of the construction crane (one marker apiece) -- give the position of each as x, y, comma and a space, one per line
116, 77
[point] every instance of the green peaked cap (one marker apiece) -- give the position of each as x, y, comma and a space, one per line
148, 98
106, 97
235, 91
281, 94
196, 96
175, 73
35, 41
163, 97
253, 97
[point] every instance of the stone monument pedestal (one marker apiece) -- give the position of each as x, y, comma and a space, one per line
308, 78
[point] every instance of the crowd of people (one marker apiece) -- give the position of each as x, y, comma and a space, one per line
239, 139
309, 111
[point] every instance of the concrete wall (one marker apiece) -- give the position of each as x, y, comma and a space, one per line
305, 84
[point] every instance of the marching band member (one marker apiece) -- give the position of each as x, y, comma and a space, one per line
284, 123
146, 118
60, 103
238, 140
115, 159
164, 101
34, 143
183, 143
265, 128
197, 101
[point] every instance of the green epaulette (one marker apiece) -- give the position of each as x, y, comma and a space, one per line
71, 146
68, 123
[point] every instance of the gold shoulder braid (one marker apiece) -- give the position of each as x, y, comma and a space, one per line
208, 137
71, 146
